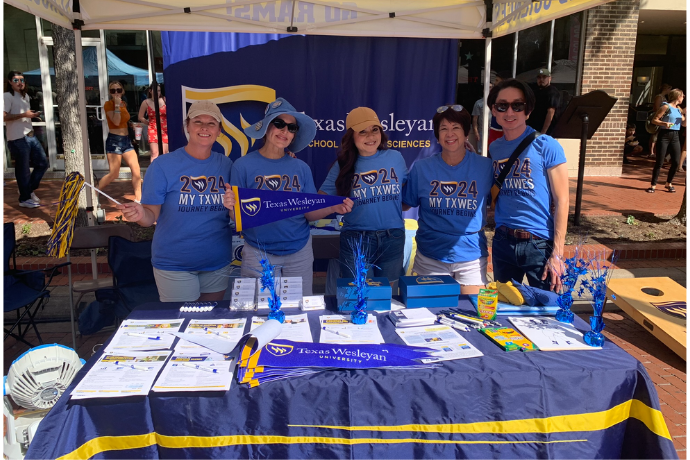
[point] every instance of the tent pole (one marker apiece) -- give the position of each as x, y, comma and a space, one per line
487, 81
154, 93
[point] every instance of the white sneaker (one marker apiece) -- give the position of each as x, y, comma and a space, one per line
35, 199
28, 204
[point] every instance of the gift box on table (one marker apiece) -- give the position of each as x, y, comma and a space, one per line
429, 291
378, 294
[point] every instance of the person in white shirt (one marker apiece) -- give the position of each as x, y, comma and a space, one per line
24, 146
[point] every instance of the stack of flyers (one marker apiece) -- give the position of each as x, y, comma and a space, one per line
134, 334
295, 327
288, 288
244, 293
228, 329
447, 342
195, 372
412, 317
339, 329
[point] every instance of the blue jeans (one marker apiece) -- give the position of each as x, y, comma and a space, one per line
514, 258
28, 151
385, 250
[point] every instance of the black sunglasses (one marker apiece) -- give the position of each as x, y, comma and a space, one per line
115, 90
516, 106
17, 80
280, 124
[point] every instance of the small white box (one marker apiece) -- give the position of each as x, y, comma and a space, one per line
313, 302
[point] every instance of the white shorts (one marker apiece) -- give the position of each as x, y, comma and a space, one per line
472, 273
174, 286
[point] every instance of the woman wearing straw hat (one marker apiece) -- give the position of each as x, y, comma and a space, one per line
192, 245
451, 189
287, 243
367, 170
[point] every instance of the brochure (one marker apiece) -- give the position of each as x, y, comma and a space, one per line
134, 334
447, 341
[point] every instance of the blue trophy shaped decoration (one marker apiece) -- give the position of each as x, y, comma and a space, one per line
359, 314
575, 267
600, 274
268, 282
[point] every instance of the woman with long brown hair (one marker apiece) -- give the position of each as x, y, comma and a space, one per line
669, 117
118, 145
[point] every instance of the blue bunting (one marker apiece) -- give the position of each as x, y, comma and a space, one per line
575, 267
600, 274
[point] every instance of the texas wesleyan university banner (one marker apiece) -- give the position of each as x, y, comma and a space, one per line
254, 207
404, 80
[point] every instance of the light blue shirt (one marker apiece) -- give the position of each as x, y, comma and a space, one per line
286, 174
193, 230
674, 116
376, 191
452, 204
525, 199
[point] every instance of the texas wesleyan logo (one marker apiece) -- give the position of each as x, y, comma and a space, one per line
273, 182
428, 280
448, 188
199, 183
674, 308
279, 350
251, 206
369, 177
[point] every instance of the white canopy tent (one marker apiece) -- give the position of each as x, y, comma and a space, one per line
460, 19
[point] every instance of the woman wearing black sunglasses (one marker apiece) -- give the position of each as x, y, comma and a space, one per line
118, 145
451, 189
286, 242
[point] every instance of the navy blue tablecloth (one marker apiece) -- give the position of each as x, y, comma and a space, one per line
571, 404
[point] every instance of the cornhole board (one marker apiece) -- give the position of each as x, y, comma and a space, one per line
651, 302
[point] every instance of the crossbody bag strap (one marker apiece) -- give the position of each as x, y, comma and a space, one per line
498, 182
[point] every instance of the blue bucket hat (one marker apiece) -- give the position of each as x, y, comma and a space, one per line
307, 127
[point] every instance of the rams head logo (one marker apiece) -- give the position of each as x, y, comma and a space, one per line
279, 350
448, 188
674, 308
428, 280
369, 177
273, 182
251, 206
199, 183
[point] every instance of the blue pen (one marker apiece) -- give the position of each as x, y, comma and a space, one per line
138, 334
199, 368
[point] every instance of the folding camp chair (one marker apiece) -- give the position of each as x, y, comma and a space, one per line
133, 278
91, 238
24, 291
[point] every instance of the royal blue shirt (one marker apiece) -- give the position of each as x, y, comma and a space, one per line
193, 230
452, 204
286, 174
376, 191
525, 199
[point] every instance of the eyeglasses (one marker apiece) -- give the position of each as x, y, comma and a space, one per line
17, 80
280, 124
456, 107
516, 106
115, 90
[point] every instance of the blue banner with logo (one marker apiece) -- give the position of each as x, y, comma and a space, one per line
403, 79
255, 207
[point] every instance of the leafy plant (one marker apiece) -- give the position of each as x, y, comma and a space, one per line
26, 228
631, 220
650, 235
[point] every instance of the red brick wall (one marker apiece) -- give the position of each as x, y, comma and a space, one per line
608, 64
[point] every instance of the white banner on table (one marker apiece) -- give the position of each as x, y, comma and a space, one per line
195, 372
231, 330
121, 374
339, 329
550, 335
134, 334
449, 343
295, 327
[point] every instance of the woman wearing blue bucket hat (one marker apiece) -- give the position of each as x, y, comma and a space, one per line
286, 242
366, 169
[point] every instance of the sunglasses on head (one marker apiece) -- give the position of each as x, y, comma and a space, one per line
280, 124
17, 80
115, 90
516, 106
456, 107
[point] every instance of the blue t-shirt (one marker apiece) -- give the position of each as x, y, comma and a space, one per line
452, 204
286, 174
525, 199
674, 116
193, 230
377, 187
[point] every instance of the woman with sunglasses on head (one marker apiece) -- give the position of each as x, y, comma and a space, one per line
118, 145
452, 190
529, 236
669, 117
192, 244
287, 242
367, 171
148, 108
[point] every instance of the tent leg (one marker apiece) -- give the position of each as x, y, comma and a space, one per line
487, 82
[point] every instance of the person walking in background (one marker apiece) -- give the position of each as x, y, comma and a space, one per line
659, 100
452, 190
669, 117
23, 145
192, 245
118, 145
373, 175
495, 130
148, 108
548, 98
